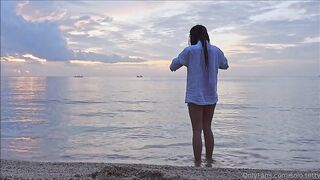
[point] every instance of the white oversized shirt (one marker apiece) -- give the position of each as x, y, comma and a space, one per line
201, 82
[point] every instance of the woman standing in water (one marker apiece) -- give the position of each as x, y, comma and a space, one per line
202, 61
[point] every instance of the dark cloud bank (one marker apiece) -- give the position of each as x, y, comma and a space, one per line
42, 39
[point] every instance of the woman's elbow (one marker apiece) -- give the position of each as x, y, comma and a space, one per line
224, 67
171, 68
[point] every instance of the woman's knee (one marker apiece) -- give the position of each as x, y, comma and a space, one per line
207, 131
197, 132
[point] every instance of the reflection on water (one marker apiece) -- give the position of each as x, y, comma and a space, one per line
20, 112
20, 98
258, 123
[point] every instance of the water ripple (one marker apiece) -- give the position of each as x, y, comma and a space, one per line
94, 114
157, 146
83, 102
134, 101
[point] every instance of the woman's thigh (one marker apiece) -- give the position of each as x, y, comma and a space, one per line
196, 116
208, 112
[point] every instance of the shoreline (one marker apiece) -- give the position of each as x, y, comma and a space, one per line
15, 169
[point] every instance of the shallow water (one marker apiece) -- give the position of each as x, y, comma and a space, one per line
259, 122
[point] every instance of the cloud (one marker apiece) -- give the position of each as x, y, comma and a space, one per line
91, 56
311, 40
40, 11
32, 32
41, 39
24, 58
263, 31
273, 46
283, 11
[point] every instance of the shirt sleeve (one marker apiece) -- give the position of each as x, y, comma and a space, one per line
223, 62
181, 60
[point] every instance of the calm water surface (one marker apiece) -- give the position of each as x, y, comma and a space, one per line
259, 122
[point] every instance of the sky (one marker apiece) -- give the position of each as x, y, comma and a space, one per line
128, 38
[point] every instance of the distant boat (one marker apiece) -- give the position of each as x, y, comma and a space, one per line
78, 76
139, 76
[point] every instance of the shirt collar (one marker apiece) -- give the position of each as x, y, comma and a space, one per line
199, 42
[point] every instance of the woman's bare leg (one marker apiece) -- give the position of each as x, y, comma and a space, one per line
208, 135
196, 115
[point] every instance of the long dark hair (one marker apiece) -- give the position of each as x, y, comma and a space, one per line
199, 33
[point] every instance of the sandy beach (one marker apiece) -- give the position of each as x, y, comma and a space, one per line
12, 169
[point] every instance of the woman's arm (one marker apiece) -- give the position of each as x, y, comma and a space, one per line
223, 62
181, 60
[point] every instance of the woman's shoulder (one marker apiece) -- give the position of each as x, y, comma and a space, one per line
215, 48
194, 47
186, 49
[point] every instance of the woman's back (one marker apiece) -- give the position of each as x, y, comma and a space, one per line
201, 78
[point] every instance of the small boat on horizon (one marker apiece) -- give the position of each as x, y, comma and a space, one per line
139, 76
78, 76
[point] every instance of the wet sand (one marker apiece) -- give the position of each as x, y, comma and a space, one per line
12, 169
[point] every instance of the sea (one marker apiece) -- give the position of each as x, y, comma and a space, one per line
259, 122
